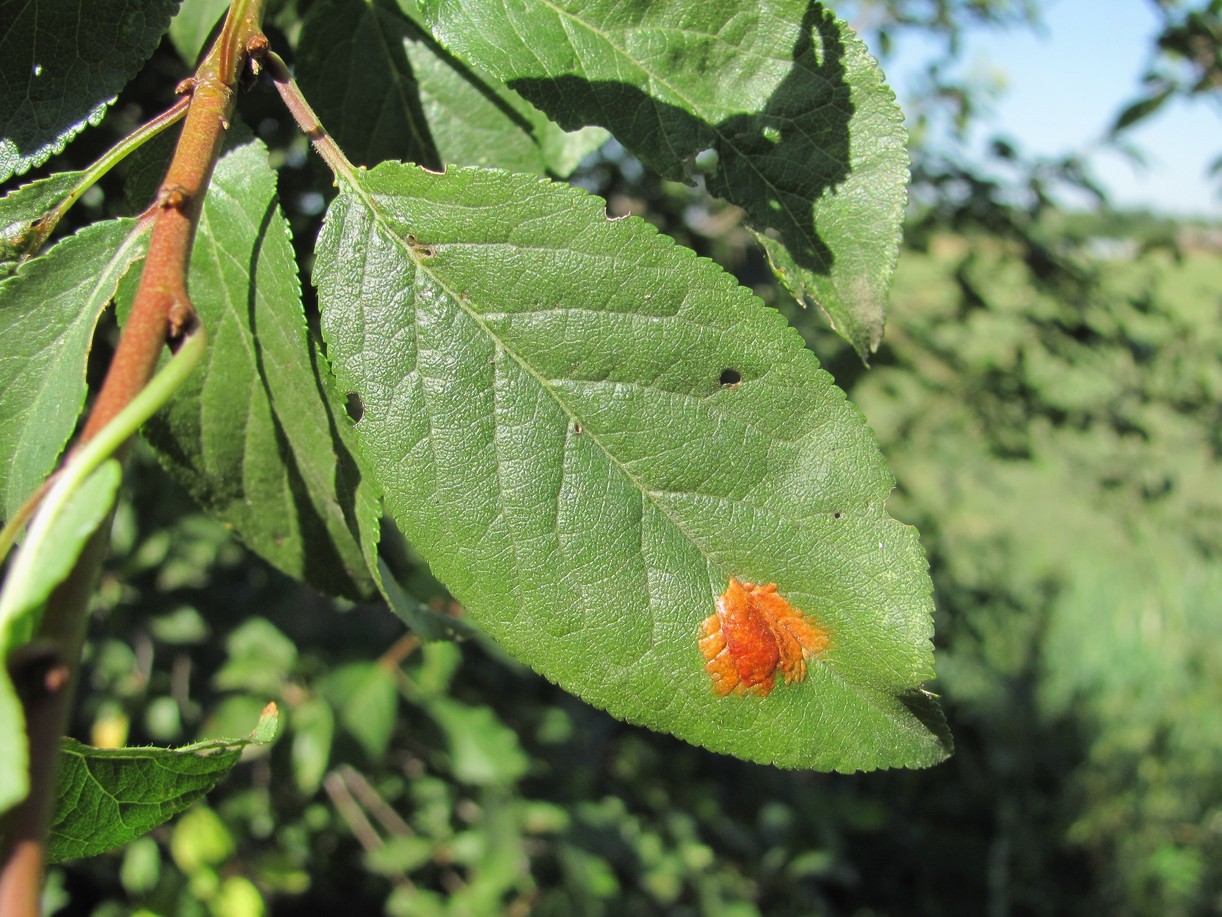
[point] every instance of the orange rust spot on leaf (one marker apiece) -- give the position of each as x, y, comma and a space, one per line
753, 633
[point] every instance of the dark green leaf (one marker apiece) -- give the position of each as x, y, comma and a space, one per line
546, 405
776, 104
110, 796
48, 310
387, 90
61, 64
1140, 110
424, 621
253, 435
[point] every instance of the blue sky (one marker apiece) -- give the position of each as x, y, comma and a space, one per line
1062, 87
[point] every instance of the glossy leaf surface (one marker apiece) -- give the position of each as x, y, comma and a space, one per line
587, 431
48, 311
387, 90
776, 104
21, 210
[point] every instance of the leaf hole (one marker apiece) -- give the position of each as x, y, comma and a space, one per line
354, 407
730, 378
837, 515
578, 428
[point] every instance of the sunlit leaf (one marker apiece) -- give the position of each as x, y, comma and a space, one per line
48, 310
22, 209
47, 556
109, 796
192, 25
57, 547
776, 105
587, 431
387, 90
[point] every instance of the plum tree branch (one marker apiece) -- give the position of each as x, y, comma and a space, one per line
161, 313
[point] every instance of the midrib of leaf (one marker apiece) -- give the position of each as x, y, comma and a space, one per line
478, 318
646, 494
708, 119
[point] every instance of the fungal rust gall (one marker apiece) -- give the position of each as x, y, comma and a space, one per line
754, 633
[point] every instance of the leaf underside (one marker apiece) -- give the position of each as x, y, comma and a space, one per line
48, 311
776, 104
545, 406
254, 435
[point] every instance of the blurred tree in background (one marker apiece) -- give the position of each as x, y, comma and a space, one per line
1054, 421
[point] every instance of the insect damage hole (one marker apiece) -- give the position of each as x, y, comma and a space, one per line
354, 407
730, 378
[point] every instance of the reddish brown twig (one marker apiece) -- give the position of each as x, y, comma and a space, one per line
162, 309
44, 671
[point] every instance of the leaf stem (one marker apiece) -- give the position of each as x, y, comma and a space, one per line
307, 120
107, 161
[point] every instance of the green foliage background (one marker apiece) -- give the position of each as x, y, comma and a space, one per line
1054, 423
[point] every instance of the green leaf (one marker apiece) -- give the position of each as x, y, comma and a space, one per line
22, 209
366, 699
15, 762
44, 561
61, 64
192, 25
50, 552
253, 436
424, 621
107, 797
387, 90
483, 750
48, 310
776, 104
550, 404
313, 731
260, 658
